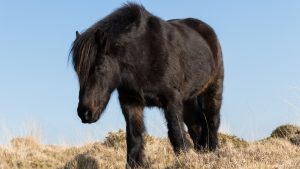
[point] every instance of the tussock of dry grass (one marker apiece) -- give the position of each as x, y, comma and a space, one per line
288, 132
272, 152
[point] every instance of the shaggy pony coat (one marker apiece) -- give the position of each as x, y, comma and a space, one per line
175, 65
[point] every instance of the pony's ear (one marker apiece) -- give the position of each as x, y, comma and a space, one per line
77, 34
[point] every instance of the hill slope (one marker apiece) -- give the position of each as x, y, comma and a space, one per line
282, 150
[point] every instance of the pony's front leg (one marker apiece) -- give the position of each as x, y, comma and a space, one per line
176, 132
133, 113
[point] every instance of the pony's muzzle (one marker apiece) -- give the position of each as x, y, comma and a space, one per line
86, 116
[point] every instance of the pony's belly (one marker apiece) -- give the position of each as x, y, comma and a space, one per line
153, 101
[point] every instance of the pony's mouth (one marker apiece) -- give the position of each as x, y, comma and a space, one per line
88, 116
88, 121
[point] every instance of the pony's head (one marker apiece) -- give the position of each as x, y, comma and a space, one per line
97, 73
95, 55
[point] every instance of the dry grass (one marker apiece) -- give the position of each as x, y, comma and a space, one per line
278, 151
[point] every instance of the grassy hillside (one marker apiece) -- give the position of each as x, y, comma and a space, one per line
280, 150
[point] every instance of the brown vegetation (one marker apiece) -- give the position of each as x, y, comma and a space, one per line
281, 150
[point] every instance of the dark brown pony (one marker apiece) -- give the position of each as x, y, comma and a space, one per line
175, 65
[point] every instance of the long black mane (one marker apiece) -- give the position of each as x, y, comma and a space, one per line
99, 37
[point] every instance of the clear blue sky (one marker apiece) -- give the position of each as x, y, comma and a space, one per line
39, 89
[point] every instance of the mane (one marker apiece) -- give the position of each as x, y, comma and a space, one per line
99, 36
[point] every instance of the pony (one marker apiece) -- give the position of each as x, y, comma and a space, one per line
175, 65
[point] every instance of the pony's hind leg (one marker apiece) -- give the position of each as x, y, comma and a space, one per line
192, 119
176, 133
210, 103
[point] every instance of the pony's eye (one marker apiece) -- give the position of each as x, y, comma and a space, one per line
97, 68
116, 49
115, 46
118, 45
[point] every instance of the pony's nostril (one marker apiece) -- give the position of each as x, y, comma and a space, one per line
88, 115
